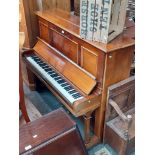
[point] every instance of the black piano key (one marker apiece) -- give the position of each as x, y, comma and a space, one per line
76, 95
46, 66
50, 72
57, 78
48, 69
53, 72
72, 91
37, 59
54, 75
42, 64
62, 81
34, 56
68, 88
64, 85
79, 95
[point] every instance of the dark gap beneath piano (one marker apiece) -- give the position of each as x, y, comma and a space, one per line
49, 103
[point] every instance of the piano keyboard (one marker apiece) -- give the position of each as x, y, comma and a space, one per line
55, 79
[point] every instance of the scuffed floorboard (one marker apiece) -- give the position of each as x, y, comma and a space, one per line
33, 113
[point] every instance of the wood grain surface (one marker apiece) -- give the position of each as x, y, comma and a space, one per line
46, 134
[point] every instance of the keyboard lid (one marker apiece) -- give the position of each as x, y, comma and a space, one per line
75, 74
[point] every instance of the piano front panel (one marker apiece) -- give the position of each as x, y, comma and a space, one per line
63, 43
68, 47
89, 60
44, 31
54, 41
71, 49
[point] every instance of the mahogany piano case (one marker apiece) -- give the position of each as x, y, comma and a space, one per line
63, 62
52, 134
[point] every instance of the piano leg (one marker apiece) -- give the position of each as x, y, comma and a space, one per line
87, 118
89, 141
31, 81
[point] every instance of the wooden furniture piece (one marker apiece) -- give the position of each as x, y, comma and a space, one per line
54, 133
130, 8
22, 105
102, 20
89, 67
29, 21
21, 95
77, 7
22, 23
52, 4
120, 116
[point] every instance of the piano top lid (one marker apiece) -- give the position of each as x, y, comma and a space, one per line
68, 69
70, 23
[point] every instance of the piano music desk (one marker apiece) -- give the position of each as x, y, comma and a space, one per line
89, 67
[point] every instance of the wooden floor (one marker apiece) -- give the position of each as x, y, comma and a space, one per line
33, 113
44, 98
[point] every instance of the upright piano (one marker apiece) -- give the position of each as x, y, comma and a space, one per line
77, 71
